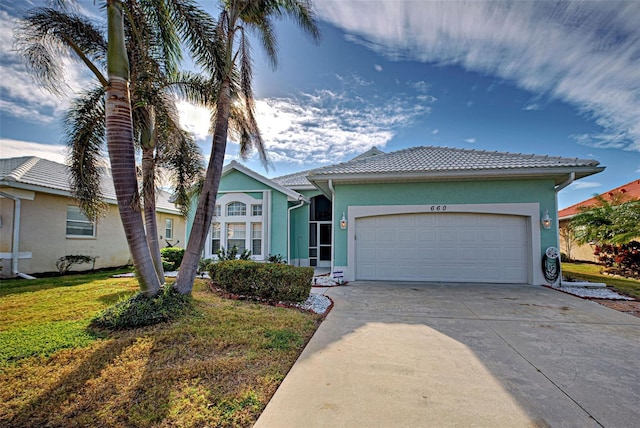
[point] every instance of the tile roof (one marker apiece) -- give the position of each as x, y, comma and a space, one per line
297, 179
46, 174
443, 159
626, 192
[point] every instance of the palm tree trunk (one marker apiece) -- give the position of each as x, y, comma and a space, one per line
207, 199
150, 218
119, 127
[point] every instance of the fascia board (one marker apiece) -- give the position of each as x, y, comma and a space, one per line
461, 175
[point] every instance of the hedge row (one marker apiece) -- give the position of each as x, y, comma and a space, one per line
273, 282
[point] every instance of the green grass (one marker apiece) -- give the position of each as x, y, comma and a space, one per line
593, 273
216, 366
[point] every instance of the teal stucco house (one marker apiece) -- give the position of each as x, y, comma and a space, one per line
419, 214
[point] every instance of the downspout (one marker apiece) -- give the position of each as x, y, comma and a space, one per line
558, 188
333, 232
302, 201
15, 245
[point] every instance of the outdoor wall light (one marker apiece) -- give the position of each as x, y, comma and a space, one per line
546, 220
343, 222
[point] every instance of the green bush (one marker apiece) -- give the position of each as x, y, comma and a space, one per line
273, 282
232, 254
140, 310
171, 258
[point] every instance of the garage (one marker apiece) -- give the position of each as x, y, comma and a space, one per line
443, 247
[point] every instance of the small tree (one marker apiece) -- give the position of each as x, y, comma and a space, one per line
609, 222
568, 235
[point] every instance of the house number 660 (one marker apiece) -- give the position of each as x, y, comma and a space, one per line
438, 207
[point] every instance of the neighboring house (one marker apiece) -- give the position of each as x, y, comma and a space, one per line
584, 252
40, 221
420, 214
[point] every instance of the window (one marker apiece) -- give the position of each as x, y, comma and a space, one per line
256, 239
236, 209
78, 224
168, 228
256, 209
216, 211
215, 237
236, 236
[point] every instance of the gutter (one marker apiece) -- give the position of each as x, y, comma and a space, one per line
559, 187
333, 216
302, 202
15, 244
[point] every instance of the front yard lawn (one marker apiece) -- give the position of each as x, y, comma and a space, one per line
591, 272
217, 366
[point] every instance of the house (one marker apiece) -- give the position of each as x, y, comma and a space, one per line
419, 214
40, 221
584, 252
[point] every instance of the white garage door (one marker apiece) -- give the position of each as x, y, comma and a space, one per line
447, 247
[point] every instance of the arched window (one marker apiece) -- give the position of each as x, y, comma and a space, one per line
236, 209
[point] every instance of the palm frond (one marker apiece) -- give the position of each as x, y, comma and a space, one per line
46, 35
85, 130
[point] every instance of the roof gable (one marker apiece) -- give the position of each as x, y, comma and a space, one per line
236, 166
625, 192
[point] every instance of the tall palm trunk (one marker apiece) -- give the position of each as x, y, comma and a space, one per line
150, 219
120, 139
207, 199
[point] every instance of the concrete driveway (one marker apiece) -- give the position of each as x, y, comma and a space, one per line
433, 355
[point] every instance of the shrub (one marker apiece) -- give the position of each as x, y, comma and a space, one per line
63, 264
203, 265
232, 254
624, 258
276, 258
273, 282
140, 310
171, 258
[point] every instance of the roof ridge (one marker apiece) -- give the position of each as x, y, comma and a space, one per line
20, 171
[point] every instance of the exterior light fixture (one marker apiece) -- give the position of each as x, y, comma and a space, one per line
343, 222
546, 220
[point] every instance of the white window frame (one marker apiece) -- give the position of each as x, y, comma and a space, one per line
256, 210
253, 238
168, 231
236, 209
248, 219
81, 221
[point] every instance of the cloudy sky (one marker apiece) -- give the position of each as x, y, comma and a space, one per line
554, 78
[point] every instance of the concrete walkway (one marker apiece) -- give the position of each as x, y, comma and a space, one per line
436, 355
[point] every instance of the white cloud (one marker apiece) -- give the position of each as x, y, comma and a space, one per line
532, 107
470, 140
17, 148
377, 67
435, 131
327, 126
581, 185
584, 53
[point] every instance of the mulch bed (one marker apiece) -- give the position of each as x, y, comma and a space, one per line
628, 307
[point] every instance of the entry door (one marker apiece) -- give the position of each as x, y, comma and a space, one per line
320, 243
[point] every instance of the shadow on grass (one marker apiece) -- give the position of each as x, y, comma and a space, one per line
113, 298
80, 397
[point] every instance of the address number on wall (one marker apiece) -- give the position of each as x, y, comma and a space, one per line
436, 208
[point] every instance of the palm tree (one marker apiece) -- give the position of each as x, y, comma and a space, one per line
48, 30
233, 75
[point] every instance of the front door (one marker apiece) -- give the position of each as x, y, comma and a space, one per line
320, 232
320, 243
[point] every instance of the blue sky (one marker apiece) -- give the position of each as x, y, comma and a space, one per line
551, 78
